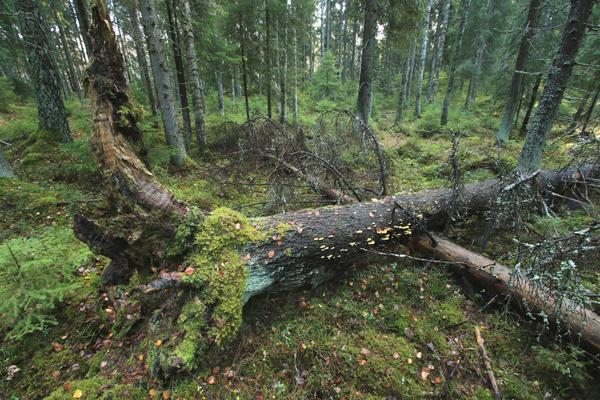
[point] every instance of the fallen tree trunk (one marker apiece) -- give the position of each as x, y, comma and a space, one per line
213, 262
498, 278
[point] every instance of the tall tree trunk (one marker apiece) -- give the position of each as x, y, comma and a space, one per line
517, 77
411, 71
521, 95
5, 168
180, 73
84, 24
72, 71
365, 86
532, 99
52, 115
440, 50
353, 50
472, 90
244, 70
220, 93
195, 80
269, 73
464, 9
578, 112
164, 90
295, 75
554, 88
422, 58
401, 90
283, 67
140, 51
588, 114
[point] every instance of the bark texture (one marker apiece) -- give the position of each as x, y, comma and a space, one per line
365, 85
197, 99
464, 9
436, 60
517, 77
422, 58
556, 82
84, 24
164, 89
532, 99
52, 114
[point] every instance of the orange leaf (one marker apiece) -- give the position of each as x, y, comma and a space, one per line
211, 380
271, 254
189, 271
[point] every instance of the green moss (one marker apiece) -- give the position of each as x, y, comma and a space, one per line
98, 389
218, 280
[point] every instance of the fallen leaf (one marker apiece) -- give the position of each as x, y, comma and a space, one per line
409, 360
152, 393
158, 343
337, 389
425, 371
362, 362
56, 374
365, 352
166, 395
271, 254
67, 386
419, 355
396, 356
57, 346
189, 271
437, 380
77, 394
211, 380
409, 333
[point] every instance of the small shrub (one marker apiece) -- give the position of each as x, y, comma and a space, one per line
35, 276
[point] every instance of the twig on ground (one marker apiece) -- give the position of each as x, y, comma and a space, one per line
488, 363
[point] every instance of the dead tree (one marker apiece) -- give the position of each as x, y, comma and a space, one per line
213, 262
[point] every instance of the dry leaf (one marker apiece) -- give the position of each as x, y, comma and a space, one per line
271, 254
362, 362
152, 393
77, 394
57, 346
419, 355
166, 395
211, 380
189, 271
158, 343
409, 360
425, 373
396, 356
365, 352
437, 380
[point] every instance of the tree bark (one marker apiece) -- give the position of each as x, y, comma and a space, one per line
401, 90
84, 24
72, 71
52, 115
140, 52
517, 77
195, 81
283, 71
437, 57
244, 69
365, 89
588, 114
220, 93
164, 90
556, 82
180, 73
464, 9
422, 58
532, 99
472, 90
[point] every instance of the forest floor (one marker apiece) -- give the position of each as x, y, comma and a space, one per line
388, 330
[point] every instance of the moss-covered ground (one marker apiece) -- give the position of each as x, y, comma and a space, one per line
393, 330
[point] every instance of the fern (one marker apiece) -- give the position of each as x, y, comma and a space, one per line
36, 274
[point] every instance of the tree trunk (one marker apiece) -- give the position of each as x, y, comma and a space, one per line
195, 81
140, 52
180, 73
515, 84
295, 75
411, 71
588, 114
229, 258
440, 51
84, 24
220, 93
269, 74
283, 67
464, 9
72, 71
556, 82
401, 90
5, 168
244, 70
52, 115
471, 91
534, 92
369, 44
164, 90
422, 58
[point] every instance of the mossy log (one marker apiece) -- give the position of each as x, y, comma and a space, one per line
211, 263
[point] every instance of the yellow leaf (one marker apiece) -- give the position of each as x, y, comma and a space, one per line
77, 394
158, 343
